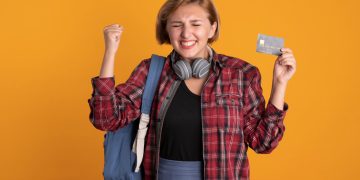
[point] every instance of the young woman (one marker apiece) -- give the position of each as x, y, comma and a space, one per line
208, 108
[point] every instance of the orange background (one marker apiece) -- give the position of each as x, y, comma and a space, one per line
49, 50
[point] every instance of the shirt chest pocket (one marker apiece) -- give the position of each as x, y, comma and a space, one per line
229, 112
230, 100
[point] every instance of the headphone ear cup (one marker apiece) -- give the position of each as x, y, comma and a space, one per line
200, 68
183, 69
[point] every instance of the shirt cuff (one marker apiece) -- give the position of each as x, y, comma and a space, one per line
276, 113
103, 86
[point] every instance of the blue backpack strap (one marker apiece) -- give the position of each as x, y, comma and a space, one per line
156, 66
118, 144
152, 79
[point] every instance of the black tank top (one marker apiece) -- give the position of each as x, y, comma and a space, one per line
181, 136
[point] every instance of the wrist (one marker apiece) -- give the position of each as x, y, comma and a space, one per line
277, 97
109, 56
110, 53
279, 84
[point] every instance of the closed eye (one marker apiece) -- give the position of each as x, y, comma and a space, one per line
176, 25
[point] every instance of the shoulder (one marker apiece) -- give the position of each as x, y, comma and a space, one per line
236, 64
146, 62
143, 66
140, 71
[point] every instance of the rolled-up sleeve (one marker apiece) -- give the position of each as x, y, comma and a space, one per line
114, 107
264, 127
103, 86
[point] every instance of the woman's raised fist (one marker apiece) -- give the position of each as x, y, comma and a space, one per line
112, 35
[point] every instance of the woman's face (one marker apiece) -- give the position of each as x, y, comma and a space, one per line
189, 30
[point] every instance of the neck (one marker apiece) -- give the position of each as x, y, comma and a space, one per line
206, 55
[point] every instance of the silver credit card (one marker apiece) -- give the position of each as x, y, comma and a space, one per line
269, 44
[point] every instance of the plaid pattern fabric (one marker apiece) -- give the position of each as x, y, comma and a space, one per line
234, 116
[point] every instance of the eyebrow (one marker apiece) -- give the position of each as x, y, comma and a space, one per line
195, 20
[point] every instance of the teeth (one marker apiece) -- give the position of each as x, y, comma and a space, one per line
189, 43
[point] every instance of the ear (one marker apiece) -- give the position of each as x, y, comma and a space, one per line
213, 28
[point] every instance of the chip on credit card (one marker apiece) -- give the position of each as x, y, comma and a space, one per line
269, 44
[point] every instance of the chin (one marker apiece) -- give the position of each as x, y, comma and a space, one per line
186, 54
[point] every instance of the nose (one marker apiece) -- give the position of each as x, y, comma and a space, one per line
186, 32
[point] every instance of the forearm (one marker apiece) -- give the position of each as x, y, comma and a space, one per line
264, 126
107, 67
278, 95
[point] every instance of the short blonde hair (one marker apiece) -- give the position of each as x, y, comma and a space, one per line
170, 6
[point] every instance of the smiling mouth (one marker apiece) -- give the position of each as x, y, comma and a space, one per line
187, 44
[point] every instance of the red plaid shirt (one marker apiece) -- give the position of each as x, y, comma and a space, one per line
234, 116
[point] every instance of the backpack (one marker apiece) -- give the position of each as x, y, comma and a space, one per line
124, 148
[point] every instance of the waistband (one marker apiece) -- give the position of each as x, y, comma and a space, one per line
179, 170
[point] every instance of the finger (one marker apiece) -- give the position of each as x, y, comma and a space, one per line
287, 55
114, 30
286, 50
120, 28
281, 58
116, 27
116, 34
290, 59
109, 26
113, 27
288, 63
